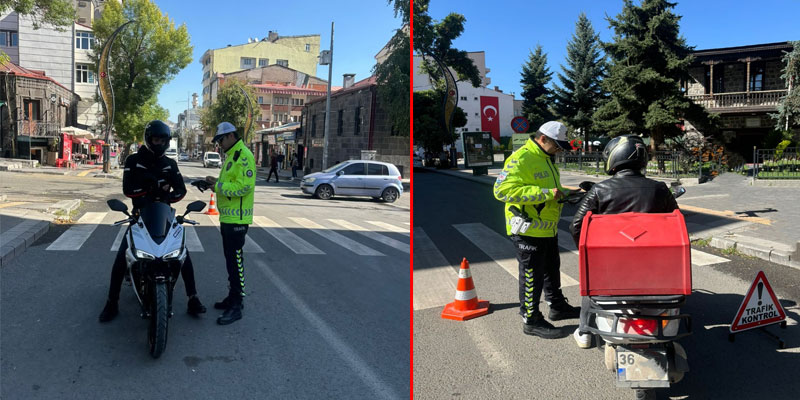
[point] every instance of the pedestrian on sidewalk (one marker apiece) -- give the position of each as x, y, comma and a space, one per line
236, 188
295, 165
280, 161
149, 177
273, 167
626, 191
530, 181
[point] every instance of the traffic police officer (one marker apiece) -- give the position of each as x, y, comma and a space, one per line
235, 188
530, 186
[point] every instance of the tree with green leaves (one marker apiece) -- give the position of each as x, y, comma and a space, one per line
231, 105
537, 97
649, 60
788, 115
60, 14
580, 92
145, 55
434, 40
394, 74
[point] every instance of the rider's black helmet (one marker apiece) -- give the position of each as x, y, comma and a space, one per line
157, 129
625, 152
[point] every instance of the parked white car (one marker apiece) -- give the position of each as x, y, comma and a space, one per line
211, 159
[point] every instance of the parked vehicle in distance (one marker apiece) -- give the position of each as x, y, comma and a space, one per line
211, 159
172, 153
376, 179
183, 157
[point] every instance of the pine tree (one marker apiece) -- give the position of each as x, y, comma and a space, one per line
649, 59
580, 92
788, 115
536, 95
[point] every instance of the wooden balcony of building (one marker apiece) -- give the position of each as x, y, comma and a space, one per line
754, 101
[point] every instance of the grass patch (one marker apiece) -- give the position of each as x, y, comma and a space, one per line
701, 242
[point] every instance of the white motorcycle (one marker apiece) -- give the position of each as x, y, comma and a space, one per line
156, 252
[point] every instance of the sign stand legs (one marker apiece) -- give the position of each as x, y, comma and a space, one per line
763, 329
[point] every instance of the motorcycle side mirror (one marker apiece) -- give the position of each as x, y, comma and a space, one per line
586, 185
117, 205
195, 206
678, 191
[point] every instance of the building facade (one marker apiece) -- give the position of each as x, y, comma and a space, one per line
358, 122
296, 52
743, 85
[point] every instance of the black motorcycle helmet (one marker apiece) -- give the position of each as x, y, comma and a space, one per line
157, 129
625, 152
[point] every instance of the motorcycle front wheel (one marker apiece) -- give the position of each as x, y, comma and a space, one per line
159, 318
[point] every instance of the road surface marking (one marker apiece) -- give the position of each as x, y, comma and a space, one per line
84, 173
74, 237
13, 203
359, 366
118, 239
373, 235
390, 227
289, 239
499, 248
489, 348
250, 246
336, 237
434, 279
192, 240
700, 258
17, 230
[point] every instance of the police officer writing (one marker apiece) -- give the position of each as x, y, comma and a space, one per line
235, 190
530, 187
626, 191
149, 177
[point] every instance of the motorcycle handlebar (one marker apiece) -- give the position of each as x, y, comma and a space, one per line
123, 221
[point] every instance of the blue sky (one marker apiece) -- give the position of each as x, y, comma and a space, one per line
362, 28
507, 29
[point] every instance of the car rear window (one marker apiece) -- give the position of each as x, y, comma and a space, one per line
377, 169
214, 156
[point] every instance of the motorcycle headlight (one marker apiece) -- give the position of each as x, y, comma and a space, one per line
145, 255
172, 254
310, 180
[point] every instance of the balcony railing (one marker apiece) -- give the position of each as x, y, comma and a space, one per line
38, 128
762, 98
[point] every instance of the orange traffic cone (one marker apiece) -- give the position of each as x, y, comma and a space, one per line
212, 206
467, 305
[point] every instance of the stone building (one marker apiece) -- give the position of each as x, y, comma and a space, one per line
359, 125
743, 85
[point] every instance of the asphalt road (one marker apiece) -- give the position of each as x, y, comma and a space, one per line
328, 325
489, 357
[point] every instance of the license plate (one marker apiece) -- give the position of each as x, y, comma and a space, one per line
642, 365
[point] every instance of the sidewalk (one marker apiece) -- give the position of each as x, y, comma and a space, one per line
728, 212
81, 170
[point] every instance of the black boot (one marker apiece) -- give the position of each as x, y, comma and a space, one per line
224, 304
232, 314
536, 325
195, 307
109, 311
562, 310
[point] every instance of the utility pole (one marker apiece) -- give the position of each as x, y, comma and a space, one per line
326, 133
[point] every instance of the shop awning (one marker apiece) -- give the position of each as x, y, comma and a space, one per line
78, 132
81, 140
99, 141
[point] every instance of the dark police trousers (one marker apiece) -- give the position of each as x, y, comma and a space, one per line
233, 236
539, 269
121, 267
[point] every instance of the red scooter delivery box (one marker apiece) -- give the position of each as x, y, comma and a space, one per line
635, 254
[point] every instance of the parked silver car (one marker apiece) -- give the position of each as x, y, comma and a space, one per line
377, 179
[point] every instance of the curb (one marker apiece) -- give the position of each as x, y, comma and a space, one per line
29, 233
65, 206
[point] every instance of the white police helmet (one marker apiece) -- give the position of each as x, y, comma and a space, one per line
223, 129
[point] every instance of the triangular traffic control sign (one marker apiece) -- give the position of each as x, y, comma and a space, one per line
759, 308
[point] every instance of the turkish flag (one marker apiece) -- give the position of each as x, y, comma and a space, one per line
490, 117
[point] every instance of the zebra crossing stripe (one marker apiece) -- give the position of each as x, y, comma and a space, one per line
390, 227
336, 237
289, 239
192, 240
250, 246
373, 235
74, 237
499, 248
434, 278
118, 239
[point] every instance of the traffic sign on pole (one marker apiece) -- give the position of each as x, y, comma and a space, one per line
520, 124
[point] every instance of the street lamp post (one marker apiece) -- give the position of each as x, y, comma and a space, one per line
326, 134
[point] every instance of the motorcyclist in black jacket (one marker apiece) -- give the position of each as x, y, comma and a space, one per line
148, 177
628, 190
